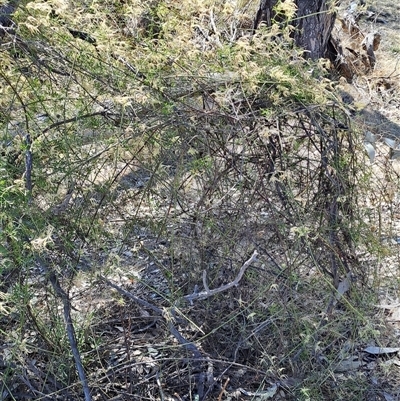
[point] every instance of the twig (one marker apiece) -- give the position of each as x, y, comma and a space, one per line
71, 333
208, 293
162, 397
214, 27
205, 285
130, 66
223, 389
28, 166
102, 113
139, 301
38, 327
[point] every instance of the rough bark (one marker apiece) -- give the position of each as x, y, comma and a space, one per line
314, 23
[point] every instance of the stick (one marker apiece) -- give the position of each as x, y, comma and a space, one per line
71, 333
223, 389
167, 317
139, 301
208, 293
28, 165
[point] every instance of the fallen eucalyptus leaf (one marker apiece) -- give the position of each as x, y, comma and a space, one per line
391, 143
394, 154
343, 286
271, 391
390, 362
370, 150
259, 395
388, 397
369, 137
381, 350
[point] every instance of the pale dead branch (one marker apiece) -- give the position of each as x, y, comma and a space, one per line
209, 293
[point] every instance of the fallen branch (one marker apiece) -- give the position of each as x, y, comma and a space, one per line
209, 293
139, 301
169, 317
192, 297
223, 389
182, 340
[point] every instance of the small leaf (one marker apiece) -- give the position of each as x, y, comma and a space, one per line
267, 394
3, 250
388, 397
394, 154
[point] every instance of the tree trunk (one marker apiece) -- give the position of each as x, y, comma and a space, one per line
314, 23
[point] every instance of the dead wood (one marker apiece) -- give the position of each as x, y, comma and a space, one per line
71, 333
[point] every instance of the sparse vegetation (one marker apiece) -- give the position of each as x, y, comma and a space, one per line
153, 152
